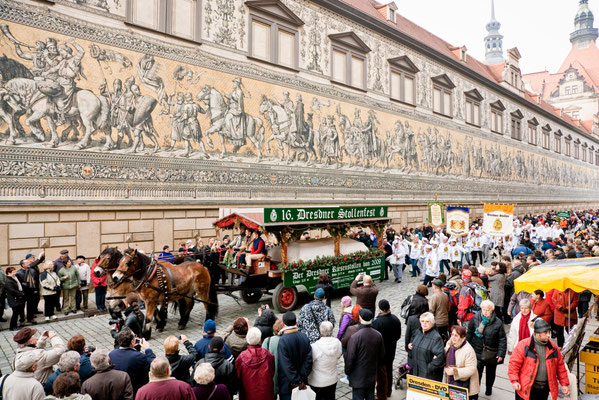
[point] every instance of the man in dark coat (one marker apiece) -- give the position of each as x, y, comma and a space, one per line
15, 296
365, 352
365, 294
294, 357
224, 369
107, 383
180, 364
29, 275
390, 328
61, 261
126, 358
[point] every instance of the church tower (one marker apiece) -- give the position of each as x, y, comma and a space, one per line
494, 40
583, 24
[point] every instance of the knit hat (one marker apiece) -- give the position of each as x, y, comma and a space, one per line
25, 360
541, 326
289, 318
209, 326
346, 301
366, 316
319, 293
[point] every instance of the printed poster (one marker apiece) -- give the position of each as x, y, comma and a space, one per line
458, 221
498, 219
435, 214
425, 389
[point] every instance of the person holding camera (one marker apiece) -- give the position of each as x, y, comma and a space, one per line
129, 359
50, 289
134, 318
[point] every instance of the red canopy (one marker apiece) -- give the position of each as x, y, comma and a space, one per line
253, 221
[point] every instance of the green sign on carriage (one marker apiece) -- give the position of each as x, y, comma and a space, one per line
312, 214
563, 214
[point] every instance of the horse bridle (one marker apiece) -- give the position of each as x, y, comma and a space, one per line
128, 277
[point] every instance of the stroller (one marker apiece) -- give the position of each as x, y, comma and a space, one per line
403, 370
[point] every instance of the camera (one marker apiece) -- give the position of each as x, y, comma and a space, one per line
264, 306
178, 337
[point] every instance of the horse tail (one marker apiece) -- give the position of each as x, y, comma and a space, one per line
103, 120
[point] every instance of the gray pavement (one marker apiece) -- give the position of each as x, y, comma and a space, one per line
97, 332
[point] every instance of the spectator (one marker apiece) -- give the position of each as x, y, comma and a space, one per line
29, 276
541, 307
21, 384
69, 361
264, 322
49, 288
162, 385
206, 389
134, 319
418, 301
224, 369
496, 278
271, 344
77, 343
235, 336
313, 314
536, 366
517, 271
27, 340
68, 387
455, 277
107, 383
180, 365
427, 350
127, 359
166, 255
460, 362
325, 283
584, 298
352, 328
346, 315
99, 283
82, 293
295, 357
70, 283
514, 306
389, 327
255, 368
438, 305
61, 261
365, 294
365, 352
522, 325
15, 296
326, 351
2, 293
487, 336
203, 344
565, 316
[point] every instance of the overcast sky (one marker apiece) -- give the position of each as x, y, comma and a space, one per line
539, 28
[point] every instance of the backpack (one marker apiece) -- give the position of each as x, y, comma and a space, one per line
479, 294
451, 290
405, 307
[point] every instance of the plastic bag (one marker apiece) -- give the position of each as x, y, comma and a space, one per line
306, 394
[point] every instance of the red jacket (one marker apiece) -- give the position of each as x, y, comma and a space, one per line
255, 368
465, 303
562, 304
101, 281
524, 365
542, 309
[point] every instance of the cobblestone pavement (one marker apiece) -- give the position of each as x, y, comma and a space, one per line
97, 332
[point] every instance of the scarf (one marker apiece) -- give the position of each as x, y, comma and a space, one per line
30, 279
451, 361
523, 330
484, 321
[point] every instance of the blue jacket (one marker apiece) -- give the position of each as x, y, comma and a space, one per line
50, 381
203, 344
167, 257
85, 367
134, 363
294, 359
521, 248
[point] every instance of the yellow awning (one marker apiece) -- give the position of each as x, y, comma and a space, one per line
577, 274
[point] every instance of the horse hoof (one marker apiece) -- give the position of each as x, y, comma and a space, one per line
181, 327
11, 142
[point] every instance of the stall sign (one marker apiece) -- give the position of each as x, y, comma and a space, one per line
313, 214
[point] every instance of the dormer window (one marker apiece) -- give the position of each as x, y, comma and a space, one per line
403, 79
180, 18
472, 111
273, 34
442, 95
497, 109
390, 14
348, 65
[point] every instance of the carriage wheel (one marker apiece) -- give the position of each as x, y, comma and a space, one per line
284, 298
251, 296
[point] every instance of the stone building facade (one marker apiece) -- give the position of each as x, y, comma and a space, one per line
134, 121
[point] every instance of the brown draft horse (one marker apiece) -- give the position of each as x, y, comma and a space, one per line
160, 282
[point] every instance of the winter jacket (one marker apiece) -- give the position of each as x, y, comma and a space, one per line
265, 322
255, 368
14, 296
224, 370
524, 365
412, 328
351, 329
295, 359
428, 355
97, 281
365, 352
465, 367
180, 364
543, 310
22, 386
24, 275
513, 334
72, 277
466, 302
165, 389
236, 342
49, 280
311, 316
205, 391
493, 335
365, 295
59, 264
497, 289
109, 384
134, 363
514, 306
326, 351
272, 344
390, 327
517, 272
562, 303
49, 357
344, 323
438, 304
133, 322
419, 305
203, 344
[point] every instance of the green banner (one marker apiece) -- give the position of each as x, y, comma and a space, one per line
342, 274
436, 217
313, 214
563, 214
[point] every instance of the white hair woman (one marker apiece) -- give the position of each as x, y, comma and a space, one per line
427, 350
326, 351
50, 286
206, 388
522, 326
487, 337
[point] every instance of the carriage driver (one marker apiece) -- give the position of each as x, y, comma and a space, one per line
257, 249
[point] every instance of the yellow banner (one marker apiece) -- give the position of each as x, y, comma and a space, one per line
498, 219
506, 208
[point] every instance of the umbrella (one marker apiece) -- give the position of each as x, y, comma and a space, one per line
577, 274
